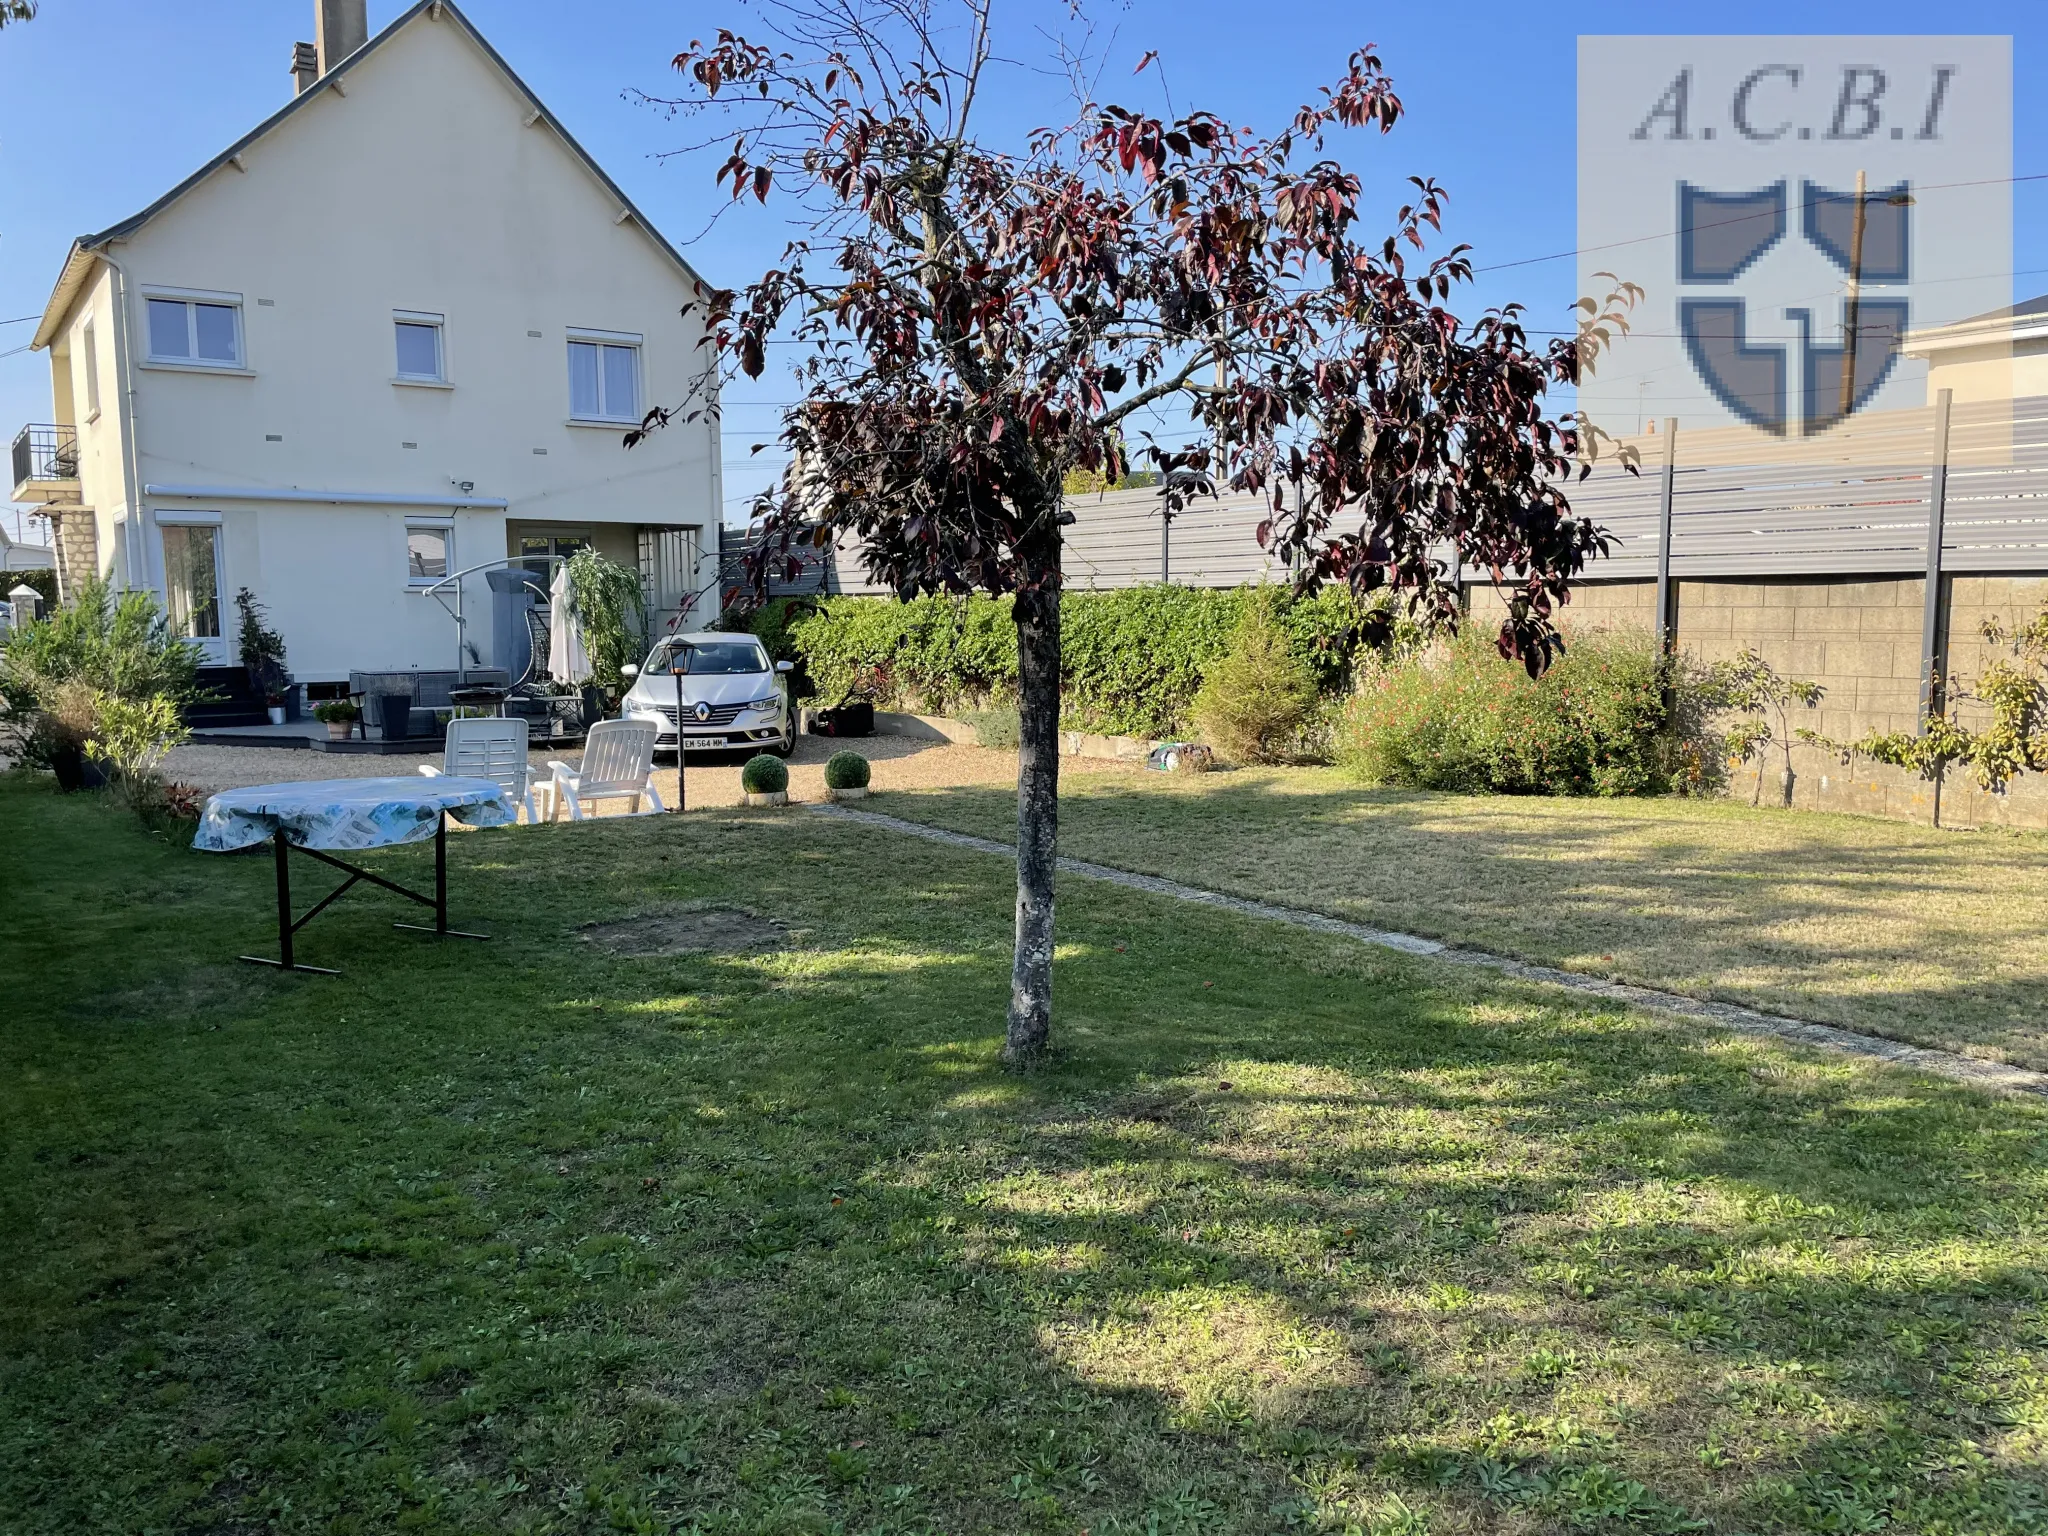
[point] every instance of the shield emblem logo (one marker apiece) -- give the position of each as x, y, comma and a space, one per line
1722, 235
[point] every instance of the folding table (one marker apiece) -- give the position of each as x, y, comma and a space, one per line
350, 815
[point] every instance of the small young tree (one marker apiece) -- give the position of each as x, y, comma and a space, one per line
1763, 701
2011, 709
976, 322
1256, 697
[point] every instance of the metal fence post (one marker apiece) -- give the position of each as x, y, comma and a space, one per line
1667, 617
1932, 661
1931, 658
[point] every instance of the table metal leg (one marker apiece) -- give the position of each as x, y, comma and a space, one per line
288, 926
285, 926
440, 901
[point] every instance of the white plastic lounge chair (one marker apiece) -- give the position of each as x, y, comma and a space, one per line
489, 749
618, 764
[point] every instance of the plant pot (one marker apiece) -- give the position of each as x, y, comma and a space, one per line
338, 730
849, 794
774, 797
276, 713
76, 771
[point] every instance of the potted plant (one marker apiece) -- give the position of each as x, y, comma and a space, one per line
263, 656
846, 776
765, 778
339, 716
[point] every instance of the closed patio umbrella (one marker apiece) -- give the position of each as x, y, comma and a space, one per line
567, 659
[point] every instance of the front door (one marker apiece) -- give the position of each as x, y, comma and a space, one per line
192, 587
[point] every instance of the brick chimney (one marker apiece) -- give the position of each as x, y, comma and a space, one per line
305, 67
344, 26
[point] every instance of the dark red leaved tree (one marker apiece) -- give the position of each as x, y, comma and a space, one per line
973, 323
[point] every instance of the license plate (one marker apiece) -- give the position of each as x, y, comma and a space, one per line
702, 743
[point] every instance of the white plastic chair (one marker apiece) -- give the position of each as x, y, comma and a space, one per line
489, 749
618, 764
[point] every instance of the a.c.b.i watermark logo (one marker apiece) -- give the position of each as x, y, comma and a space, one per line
1795, 210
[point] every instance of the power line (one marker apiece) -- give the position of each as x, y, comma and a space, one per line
1740, 218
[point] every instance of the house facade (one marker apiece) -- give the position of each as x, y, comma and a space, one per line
1995, 357
395, 334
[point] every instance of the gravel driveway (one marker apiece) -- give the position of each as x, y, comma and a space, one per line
900, 762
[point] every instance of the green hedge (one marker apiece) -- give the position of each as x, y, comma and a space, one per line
1133, 658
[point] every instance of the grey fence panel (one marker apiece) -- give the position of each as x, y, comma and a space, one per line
1855, 502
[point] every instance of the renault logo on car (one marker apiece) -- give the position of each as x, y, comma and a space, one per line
702, 711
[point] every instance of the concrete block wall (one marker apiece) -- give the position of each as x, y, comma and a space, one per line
1859, 638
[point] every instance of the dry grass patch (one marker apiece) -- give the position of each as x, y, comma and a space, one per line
1936, 937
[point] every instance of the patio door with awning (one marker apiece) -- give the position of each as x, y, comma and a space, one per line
192, 585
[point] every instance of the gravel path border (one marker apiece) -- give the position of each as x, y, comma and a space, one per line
1991, 1075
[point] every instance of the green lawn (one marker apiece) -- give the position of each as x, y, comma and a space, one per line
1936, 937
1294, 1235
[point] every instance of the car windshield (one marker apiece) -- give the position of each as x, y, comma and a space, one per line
711, 658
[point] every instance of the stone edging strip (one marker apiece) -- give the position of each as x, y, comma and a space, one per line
1993, 1075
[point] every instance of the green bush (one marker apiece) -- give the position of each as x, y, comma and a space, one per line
60, 675
1133, 659
1257, 697
611, 613
764, 774
1002, 729
1458, 717
846, 770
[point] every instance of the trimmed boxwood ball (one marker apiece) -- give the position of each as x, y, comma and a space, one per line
764, 774
846, 770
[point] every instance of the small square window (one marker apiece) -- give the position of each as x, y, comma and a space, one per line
604, 381
419, 349
195, 331
426, 553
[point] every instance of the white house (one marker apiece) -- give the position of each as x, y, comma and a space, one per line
395, 333
1999, 356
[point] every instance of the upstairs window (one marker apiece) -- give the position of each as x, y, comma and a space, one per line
604, 377
420, 358
206, 332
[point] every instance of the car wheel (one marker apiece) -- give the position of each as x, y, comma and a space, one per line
785, 746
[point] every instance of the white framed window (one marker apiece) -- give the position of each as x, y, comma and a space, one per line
88, 344
604, 376
429, 550
422, 357
194, 329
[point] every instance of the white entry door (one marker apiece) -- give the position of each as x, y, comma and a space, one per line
192, 583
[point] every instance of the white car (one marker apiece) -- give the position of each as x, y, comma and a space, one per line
732, 697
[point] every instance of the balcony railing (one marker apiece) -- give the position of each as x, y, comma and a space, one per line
43, 453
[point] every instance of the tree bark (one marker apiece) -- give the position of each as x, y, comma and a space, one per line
1038, 809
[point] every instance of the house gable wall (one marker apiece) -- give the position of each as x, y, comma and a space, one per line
422, 187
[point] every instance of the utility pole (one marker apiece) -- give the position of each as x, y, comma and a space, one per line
1850, 317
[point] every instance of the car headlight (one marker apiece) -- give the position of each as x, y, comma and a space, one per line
773, 701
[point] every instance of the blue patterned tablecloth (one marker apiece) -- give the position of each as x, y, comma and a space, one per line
348, 813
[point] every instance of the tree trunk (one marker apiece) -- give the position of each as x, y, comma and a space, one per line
1038, 810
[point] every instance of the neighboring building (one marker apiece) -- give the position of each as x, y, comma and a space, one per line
394, 333
16, 556
2002, 355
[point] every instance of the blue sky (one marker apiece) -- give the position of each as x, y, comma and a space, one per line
105, 103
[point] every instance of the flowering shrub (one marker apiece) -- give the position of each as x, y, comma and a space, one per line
1458, 717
